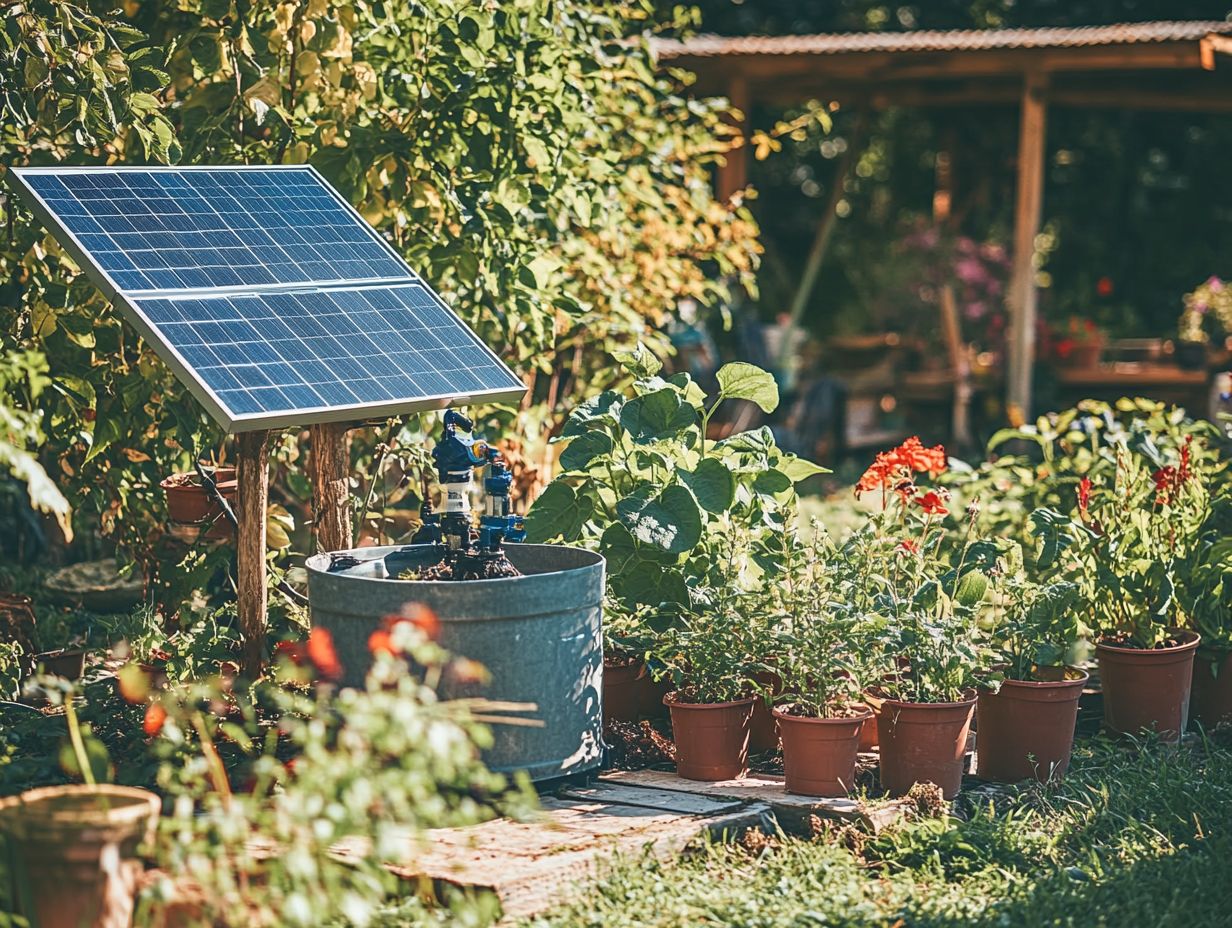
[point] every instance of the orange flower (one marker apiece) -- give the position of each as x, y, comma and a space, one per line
909, 546
422, 618
320, 650
381, 642
155, 716
1084, 494
932, 503
894, 466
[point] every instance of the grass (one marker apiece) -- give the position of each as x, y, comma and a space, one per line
1132, 838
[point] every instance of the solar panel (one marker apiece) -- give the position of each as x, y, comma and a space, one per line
266, 292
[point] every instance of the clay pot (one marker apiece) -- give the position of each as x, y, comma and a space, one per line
712, 739
763, 733
69, 663
74, 848
189, 503
1211, 702
923, 742
819, 755
622, 691
1084, 356
868, 733
1148, 689
1026, 729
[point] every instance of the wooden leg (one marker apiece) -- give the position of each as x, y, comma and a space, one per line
252, 473
328, 466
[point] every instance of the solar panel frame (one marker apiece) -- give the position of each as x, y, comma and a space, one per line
129, 303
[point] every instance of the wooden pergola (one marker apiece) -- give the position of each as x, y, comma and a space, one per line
1153, 66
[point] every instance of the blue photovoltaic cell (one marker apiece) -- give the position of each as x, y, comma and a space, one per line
223, 227
302, 350
267, 293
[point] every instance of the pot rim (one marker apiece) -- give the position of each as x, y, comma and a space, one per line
319, 564
1081, 680
671, 703
139, 804
814, 719
887, 701
1191, 641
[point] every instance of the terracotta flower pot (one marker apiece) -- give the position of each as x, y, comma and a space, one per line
923, 742
75, 851
1148, 689
622, 692
868, 733
712, 739
1211, 702
188, 501
763, 732
1026, 729
819, 755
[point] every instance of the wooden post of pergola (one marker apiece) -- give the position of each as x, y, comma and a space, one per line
733, 171
252, 597
1027, 211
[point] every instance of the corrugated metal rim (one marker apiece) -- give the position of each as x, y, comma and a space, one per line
939, 41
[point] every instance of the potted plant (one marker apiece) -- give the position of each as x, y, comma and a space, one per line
74, 848
642, 484
1134, 532
191, 502
626, 678
711, 704
1080, 345
821, 667
921, 596
1205, 593
1026, 718
1208, 306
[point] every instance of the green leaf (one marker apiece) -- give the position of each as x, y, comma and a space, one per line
656, 415
741, 381
671, 521
712, 483
797, 468
559, 512
971, 588
639, 362
585, 448
771, 482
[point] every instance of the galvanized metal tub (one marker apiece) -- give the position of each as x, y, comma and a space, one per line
539, 635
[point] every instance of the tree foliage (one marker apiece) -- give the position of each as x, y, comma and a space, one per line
525, 157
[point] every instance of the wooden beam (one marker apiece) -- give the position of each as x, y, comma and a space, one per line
1027, 210
329, 462
733, 173
252, 473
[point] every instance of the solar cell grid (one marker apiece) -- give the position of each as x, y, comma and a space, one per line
303, 350
164, 230
266, 293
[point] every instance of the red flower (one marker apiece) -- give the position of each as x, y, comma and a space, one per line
418, 615
909, 546
155, 716
1104, 287
1084, 494
891, 468
320, 650
932, 503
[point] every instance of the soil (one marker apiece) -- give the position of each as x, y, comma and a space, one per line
464, 567
637, 745
1127, 641
800, 712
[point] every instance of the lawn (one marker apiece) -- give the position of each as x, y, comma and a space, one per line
1131, 838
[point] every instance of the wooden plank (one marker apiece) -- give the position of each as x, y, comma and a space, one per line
1029, 202
792, 812
689, 803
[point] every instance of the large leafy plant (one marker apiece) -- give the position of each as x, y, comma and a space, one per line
1204, 582
641, 484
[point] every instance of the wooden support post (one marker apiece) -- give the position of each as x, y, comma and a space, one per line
951, 326
328, 467
733, 173
252, 473
1022, 295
